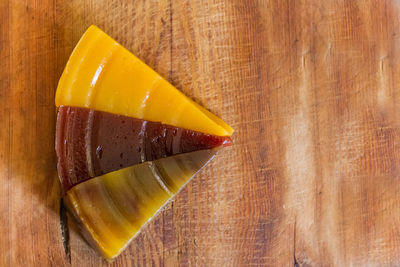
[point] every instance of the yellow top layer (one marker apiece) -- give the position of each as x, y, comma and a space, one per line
103, 75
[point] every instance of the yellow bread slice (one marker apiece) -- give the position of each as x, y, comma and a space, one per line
103, 75
111, 209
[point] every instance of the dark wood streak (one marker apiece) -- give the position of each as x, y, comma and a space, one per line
295, 263
65, 230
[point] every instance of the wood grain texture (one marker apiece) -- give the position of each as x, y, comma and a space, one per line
312, 89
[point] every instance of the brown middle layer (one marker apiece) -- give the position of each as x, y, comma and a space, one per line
90, 143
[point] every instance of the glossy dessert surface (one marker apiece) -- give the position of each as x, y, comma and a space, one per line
90, 143
126, 141
102, 75
112, 208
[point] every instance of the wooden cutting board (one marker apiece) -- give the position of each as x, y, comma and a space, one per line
312, 89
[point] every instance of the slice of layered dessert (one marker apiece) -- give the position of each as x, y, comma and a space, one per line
90, 143
112, 208
126, 141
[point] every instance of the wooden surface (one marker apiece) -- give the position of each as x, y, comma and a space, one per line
312, 89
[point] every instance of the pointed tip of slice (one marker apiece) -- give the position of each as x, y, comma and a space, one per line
225, 129
227, 142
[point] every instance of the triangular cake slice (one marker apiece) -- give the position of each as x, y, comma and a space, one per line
113, 112
102, 75
113, 208
91, 143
